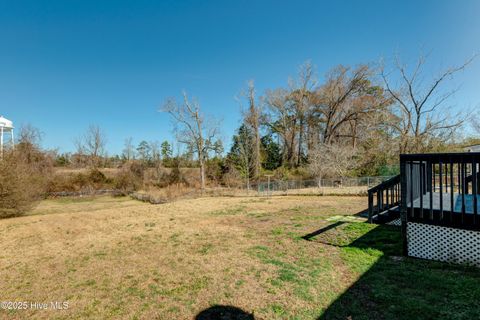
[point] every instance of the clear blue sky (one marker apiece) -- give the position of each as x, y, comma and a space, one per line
67, 64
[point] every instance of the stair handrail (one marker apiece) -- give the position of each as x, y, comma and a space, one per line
387, 183
380, 188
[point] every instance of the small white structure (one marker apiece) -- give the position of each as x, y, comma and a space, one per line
6, 127
472, 148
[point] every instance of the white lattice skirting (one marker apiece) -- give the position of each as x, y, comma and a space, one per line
443, 244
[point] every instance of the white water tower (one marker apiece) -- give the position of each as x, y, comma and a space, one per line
6, 127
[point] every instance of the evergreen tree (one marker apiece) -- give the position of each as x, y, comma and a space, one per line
272, 153
166, 150
241, 154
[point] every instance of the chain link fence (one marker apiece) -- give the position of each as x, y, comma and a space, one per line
345, 185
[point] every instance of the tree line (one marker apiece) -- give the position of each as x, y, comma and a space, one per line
354, 120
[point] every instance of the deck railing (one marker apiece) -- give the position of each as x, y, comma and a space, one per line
441, 189
383, 197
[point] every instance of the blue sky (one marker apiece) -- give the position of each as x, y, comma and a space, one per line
67, 64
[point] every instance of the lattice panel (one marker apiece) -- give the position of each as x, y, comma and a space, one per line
396, 222
443, 244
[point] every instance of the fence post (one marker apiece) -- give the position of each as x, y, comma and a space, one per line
268, 185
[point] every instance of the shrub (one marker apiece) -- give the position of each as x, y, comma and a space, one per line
23, 180
215, 170
176, 176
232, 178
136, 168
79, 181
157, 176
60, 183
166, 178
96, 176
93, 179
129, 178
126, 182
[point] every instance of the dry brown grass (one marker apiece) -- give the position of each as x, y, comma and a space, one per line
109, 172
116, 258
323, 191
169, 193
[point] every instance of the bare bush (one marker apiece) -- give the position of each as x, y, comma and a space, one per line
232, 178
23, 179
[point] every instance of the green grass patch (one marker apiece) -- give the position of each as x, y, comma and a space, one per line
395, 287
298, 272
206, 249
277, 231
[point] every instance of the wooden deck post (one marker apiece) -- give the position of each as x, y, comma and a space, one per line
403, 204
370, 206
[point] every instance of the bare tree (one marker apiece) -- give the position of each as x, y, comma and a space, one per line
28, 147
329, 161
345, 101
421, 106
193, 129
289, 114
155, 152
30, 135
92, 144
342, 108
281, 121
300, 98
476, 123
128, 152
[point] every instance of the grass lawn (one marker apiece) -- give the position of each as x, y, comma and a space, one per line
295, 257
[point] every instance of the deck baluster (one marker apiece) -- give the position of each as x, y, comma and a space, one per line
432, 170
474, 190
421, 187
446, 177
463, 190
411, 189
452, 187
440, 167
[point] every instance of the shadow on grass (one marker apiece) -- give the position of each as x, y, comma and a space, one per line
390, 286
363, 213
224, 313
323, 230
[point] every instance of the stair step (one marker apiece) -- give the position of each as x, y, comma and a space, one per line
387, 215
